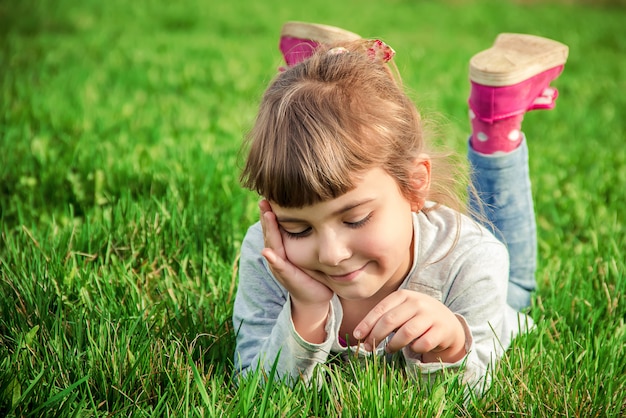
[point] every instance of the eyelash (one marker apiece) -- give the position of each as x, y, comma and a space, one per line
361, 223
352, 225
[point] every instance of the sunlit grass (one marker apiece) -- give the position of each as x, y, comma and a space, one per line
121, 212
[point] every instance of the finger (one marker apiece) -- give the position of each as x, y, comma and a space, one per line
429, 341
271, 234
363, 331
297, 282
410, 332
264, 207
280, 267
270, 256
403, 318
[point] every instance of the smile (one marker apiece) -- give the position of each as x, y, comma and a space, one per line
348, 277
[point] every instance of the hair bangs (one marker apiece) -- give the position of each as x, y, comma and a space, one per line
318, 158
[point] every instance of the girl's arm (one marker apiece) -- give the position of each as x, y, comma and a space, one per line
262, 320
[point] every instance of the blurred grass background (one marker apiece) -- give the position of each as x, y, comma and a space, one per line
121, 213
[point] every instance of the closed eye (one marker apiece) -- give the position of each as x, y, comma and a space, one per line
296, 235
306, 232
359, 224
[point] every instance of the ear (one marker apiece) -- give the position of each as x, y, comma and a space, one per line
420, 182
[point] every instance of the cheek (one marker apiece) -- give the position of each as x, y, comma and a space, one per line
390, 239
381, 248
298, 251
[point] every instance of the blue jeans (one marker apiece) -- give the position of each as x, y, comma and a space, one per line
503, 185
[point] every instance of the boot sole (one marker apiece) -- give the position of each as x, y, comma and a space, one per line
514, 58
324, 34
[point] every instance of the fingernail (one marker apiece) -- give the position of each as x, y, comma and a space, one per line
357, 335
367, 347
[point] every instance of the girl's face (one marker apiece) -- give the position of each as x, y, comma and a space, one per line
359, 244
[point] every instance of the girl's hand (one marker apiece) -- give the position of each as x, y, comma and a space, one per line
419, 321
310, 299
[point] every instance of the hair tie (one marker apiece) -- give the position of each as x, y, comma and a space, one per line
375, 49
380, 50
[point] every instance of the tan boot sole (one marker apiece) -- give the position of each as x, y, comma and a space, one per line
323, 34
514, 58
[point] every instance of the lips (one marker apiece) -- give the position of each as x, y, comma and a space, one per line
348, 277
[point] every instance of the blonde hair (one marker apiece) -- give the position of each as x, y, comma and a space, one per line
330, 117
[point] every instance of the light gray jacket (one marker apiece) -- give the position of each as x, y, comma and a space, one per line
469, 277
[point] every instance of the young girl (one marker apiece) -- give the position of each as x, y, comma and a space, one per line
362, 246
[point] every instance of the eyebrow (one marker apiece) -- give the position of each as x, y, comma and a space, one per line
348, 207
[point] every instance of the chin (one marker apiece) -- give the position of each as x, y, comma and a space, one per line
355, 294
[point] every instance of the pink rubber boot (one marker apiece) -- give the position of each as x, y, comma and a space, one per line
298, 40
507, 80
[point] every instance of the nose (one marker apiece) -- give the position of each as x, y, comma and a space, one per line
333, 249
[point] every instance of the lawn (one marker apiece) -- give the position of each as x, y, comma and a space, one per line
121, 212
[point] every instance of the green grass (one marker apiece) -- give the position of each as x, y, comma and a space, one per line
121, 212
